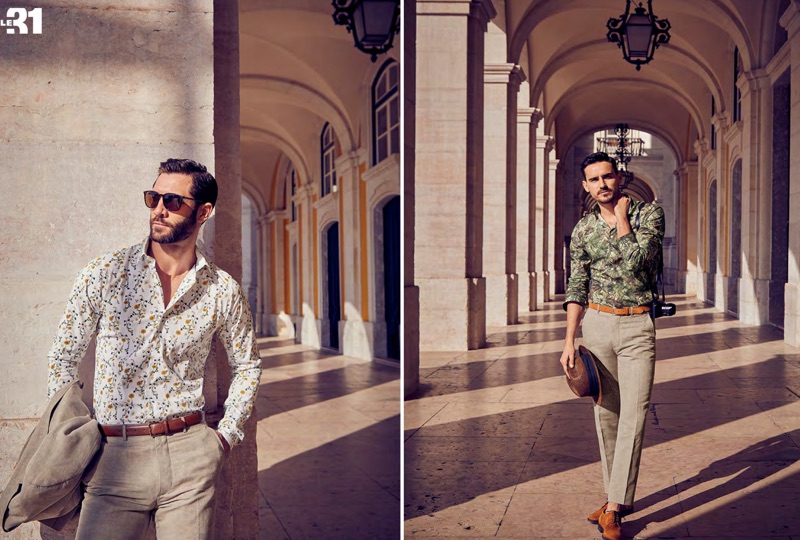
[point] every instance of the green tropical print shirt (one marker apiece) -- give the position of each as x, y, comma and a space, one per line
611, 271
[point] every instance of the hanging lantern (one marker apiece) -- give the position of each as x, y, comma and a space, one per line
373, 23
638, 34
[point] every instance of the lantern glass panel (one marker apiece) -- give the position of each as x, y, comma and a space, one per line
637, 33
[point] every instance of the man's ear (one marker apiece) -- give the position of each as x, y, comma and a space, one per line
585, 187
205, 212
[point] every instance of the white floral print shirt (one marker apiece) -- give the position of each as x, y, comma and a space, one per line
150, 360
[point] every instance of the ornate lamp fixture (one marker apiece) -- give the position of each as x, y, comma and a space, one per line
638, 34
373, 23
623, 149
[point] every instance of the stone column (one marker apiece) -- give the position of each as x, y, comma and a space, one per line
355, 342
557, 187
791, 326
264, 277
410, 291
449, 173
543, 145
699, 199
280, 323
720, 273
527, 120
309, 329
237, 489
756, 197
682, 229
551, 201
501, 84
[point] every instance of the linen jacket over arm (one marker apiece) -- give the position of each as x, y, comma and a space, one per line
150, 359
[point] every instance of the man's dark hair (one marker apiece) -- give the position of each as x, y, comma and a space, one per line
204, 186
598, 157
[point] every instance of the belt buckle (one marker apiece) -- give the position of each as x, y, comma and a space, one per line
166, 428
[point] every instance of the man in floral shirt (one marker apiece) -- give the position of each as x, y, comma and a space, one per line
154, 309
615, 252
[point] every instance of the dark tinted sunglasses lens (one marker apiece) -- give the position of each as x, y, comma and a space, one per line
151, 199
173, 202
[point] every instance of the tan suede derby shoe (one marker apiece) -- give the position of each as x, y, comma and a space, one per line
594, 517
610, 524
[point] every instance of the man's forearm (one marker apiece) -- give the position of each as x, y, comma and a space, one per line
574, 314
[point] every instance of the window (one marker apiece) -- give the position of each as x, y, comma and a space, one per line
737, 92
327, 154
291, 181
713, 127
386, 112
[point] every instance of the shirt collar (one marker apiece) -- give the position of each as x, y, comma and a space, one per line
199, 264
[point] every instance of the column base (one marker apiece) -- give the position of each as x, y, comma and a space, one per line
557, 283
452, 313
543, 287
791, 317
281, 325
502, 299
410, 340
690, 283
754, 301
310, 331
532, 300
721, 292
356, 338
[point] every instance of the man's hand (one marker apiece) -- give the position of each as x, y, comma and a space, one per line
225, 444
568, 357
621, 207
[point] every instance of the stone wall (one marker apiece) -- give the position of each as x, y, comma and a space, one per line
88, 109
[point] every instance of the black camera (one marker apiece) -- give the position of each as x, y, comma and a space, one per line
659, 308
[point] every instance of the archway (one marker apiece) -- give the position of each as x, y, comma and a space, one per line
331, 300
391, 275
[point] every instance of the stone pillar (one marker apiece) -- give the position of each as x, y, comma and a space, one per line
309, 327
701, 149
265, 277
410, 291
449, 173
237, 489
501, 84
280, 323
682, 230
527, 120
721, 173
543, 145
355, 340
791, 326
557, 186
551, 201
756, 197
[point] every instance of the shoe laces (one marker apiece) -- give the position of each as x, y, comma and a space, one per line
616, 518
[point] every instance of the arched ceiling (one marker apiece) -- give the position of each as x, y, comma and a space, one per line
298, 70
580, 80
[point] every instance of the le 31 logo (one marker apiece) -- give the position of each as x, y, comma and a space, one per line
18, 19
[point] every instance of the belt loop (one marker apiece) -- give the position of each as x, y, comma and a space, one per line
124, 432
203, 417
185, 427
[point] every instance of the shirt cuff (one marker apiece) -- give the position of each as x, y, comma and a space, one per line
573, 301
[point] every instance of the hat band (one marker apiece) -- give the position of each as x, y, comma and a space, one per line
591, 375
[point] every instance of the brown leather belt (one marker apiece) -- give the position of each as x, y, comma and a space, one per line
638, 310
165, 427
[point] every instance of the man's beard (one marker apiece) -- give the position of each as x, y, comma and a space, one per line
176, 233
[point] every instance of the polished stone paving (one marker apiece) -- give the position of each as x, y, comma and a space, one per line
328, 445
497, 446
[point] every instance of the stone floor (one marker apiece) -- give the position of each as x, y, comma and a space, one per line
328, 445
497, 446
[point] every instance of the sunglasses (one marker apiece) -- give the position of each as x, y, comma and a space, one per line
172, 201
